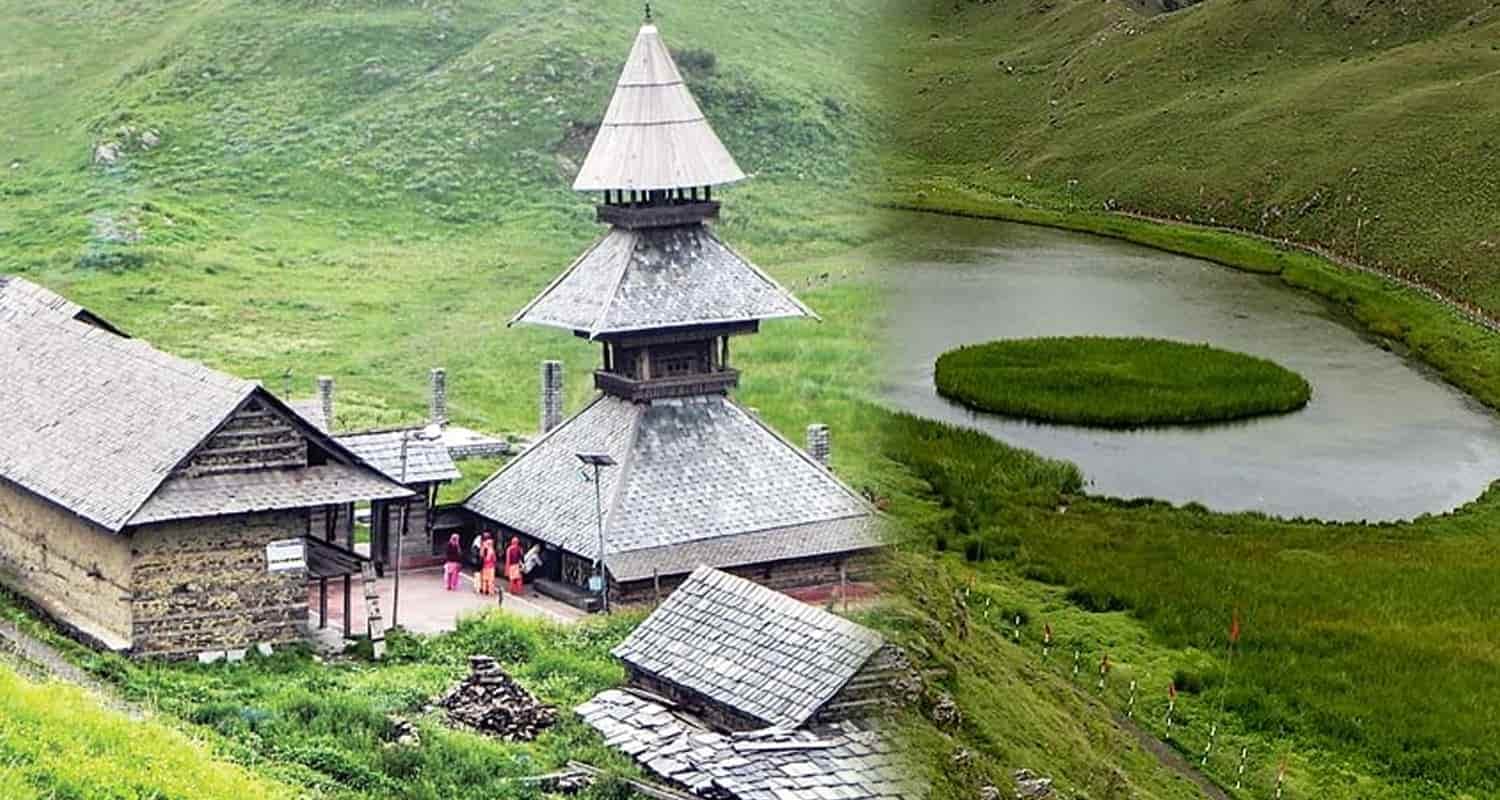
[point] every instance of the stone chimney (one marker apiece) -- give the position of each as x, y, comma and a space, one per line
438, 402
325, 399
552, 395
817, 444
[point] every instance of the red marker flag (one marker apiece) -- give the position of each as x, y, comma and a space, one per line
1234, 627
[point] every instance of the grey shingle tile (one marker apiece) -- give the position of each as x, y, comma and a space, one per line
775, 686
700, 481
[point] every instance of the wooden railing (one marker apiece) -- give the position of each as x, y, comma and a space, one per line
657, 216
657, 388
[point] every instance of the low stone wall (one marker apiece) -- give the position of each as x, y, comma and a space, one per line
203, 585
74, 571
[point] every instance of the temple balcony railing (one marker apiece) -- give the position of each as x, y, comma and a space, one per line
657, 216
640, 390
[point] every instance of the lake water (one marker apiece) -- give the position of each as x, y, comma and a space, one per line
1382, 439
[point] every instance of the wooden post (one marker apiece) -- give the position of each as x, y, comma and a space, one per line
348, 607
844, 584
656, 583
322, 603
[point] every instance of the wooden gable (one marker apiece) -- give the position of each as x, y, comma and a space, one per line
256, 436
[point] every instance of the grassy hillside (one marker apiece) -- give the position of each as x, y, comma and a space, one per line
368, 189
1351, 631
55, 741
1366, 127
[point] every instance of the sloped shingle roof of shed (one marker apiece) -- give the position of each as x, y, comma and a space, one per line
653, 135
841, 761
753, 649
659, 278
689, 471
95, 422
426, 461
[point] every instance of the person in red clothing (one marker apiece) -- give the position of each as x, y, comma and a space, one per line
453, 562
513, 558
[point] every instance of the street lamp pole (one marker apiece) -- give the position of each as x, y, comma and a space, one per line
427, 434
598, 461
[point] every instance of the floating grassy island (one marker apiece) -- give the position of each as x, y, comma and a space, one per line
1117, 382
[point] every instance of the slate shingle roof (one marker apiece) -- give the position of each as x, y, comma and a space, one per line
690, 471
426, 461
311, 409
21, 296
96, 422
836, 763
750, 648
653, 135
633, 280
826, 537
264, 490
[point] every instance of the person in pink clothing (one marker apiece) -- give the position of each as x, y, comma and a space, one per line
453, 563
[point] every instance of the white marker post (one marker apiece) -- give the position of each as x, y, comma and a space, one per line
1171, 705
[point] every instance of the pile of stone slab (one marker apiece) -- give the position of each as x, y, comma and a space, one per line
489, 701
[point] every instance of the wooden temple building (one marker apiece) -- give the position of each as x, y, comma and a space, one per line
737, 692
150, 504
695, 478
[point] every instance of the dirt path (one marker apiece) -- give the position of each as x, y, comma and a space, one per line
1173, 760
1468, 311
45, 660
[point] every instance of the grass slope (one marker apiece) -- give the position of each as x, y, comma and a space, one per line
1116, 382
1365, 127
55, 741
367, 189
1352, 630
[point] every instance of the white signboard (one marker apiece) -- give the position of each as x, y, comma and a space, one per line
285, 555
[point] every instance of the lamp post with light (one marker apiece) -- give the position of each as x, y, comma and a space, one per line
598, 461
430, 433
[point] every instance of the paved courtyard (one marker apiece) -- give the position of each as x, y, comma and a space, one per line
426, 607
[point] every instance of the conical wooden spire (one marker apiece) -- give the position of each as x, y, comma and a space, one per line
654, 136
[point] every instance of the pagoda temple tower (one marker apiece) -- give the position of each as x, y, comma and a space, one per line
696, 480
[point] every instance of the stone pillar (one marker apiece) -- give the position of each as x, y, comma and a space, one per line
325, 399
817, 443
438, 402
552, 395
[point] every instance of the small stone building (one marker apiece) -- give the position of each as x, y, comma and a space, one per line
146, 499
737, 691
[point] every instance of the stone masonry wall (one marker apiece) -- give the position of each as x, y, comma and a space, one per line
71, 569
203, 584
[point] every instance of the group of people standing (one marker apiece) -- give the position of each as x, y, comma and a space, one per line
518, 564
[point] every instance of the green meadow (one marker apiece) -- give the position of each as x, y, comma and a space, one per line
55, 741
1116, 382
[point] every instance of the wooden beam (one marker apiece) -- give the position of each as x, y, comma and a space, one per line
647, 788
322, 603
